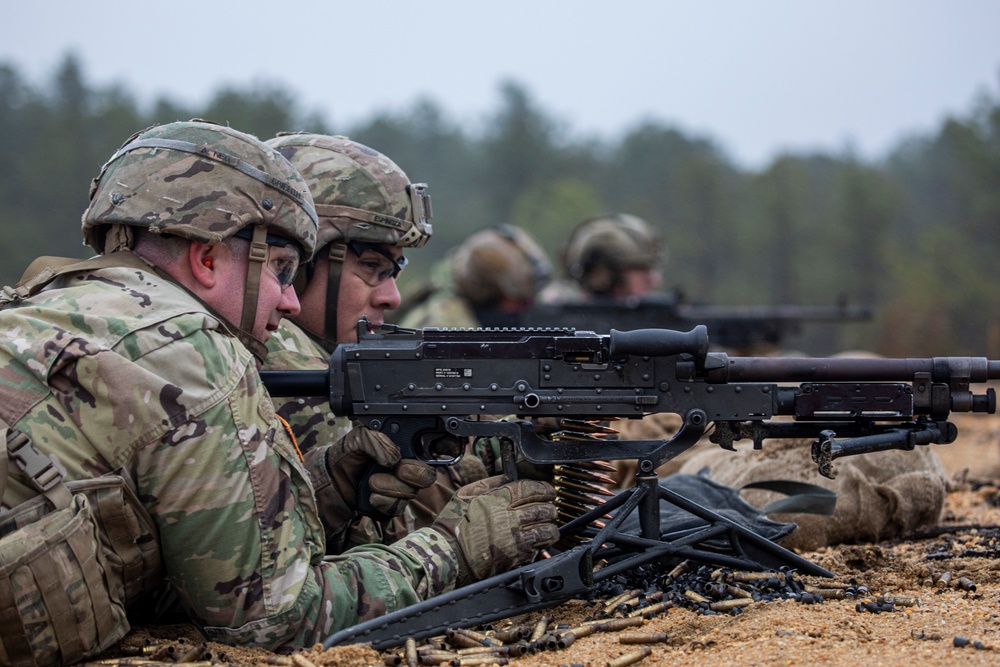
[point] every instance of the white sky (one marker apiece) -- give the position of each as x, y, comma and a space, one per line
756, 77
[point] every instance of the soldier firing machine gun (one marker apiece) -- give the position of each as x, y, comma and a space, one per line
428, 389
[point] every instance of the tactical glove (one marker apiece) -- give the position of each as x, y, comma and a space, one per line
366, 472
495, 525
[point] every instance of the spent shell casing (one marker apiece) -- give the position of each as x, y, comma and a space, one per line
513, 634
459, 639
829, 593
737, 592
642, 637
965, 584
582, 631
482, 650
410, 649
746, 577
715, 590
436, 657
301, 661
479, 660
169, 650
903, 600
694, 596
622, 597
728, 605
196, 652
614, 624
652, 610
681, 568
943, 581
540, 628
392, 660
631, 658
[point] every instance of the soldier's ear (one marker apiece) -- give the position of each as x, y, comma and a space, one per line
203, 261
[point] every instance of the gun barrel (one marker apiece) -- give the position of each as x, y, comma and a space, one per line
708, 313
296, 383
847, 369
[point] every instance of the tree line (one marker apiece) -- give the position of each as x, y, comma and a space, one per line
915, 235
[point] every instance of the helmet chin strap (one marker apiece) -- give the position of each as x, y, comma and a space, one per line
258, 255
336, 262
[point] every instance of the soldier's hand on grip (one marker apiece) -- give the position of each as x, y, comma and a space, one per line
366, 471
495, 525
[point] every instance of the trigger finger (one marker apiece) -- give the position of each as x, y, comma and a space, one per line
384, 484
416, 473
381, 447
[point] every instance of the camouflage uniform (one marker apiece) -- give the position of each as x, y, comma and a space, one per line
360, 195
119, 369
312, 421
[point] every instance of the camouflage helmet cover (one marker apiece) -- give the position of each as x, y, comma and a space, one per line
360, 194
599, 249
498, 262
201, 181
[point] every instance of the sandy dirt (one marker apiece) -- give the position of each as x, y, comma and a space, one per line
933, 621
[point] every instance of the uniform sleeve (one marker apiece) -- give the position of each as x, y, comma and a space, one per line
241, 536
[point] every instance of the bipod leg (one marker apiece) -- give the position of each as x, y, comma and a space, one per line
743, 542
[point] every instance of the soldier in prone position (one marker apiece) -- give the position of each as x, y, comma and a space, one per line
369, 213
144, 363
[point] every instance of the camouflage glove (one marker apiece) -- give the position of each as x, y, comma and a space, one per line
496, 525
366, 472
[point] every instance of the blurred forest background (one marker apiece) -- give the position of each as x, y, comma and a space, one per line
915, 235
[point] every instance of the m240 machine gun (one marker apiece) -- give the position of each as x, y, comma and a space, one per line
428, 389
742, 328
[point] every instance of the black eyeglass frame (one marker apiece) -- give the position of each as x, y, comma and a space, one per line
359, 247
278, 241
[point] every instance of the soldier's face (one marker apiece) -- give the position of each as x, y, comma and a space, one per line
362, 294
274, 301
637, 282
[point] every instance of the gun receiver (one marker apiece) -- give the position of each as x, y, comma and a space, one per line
429, 389
419, 386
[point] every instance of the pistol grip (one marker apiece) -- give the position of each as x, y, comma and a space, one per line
364, 494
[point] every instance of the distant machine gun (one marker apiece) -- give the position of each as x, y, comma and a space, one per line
429, 389
742, 328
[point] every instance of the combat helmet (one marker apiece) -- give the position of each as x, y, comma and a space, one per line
601, 248
498, 262
204, 182
362, 198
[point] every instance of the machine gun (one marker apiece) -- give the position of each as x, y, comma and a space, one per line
742, 328
429, 388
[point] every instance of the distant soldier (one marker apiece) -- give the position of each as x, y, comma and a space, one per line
609, 257
484, 281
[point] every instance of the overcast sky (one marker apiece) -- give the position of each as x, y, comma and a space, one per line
756, 77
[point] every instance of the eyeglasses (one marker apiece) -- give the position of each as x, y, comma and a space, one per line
283, 256
375, 265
